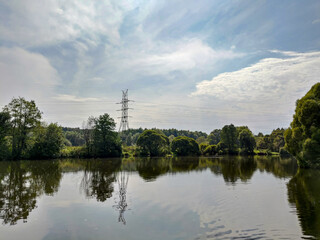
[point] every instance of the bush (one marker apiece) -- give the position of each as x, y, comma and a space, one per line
211, 150
202, 147
185, 146
152, 143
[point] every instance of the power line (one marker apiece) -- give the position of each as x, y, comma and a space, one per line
124, 124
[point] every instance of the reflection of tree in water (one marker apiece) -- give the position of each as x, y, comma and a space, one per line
151, 168
99, 176
122, 203
184, 164
242, 168
234, 168
279, 167
21, 183
304, 195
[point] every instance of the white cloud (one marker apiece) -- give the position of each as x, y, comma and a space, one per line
25, 74
271, 79
72, 98
182, 55
35, 23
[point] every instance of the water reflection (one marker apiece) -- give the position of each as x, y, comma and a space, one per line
98, 178
22, 183
122, 205
304, 195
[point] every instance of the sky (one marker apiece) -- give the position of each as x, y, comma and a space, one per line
194, 65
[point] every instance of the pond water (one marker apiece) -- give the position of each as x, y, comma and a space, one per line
159, 198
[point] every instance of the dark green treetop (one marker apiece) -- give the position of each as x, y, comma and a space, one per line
153, 143
185, 146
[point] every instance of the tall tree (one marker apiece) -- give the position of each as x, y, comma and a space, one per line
215, 137
247, 141
25, 116
229, 136
106, 142
303, 137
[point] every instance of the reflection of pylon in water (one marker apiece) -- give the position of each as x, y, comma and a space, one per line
122, 204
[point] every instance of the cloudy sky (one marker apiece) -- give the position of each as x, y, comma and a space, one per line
196, 65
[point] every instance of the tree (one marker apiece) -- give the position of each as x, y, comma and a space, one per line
76, 138
215, 136
106, 142
25, 116
185, 146
211, 150
202, 147
201, 139
5, 127
302, 139
247, 141
48, 142
229, 136
153, 143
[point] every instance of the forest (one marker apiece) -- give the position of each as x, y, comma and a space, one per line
23, 135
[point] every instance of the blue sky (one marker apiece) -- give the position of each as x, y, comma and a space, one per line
196, 65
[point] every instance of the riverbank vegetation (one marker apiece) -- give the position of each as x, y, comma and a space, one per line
23, 135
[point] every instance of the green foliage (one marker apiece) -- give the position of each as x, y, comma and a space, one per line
229, 136
221, 148
215, 136
272, 142
48, 142
105, 139
75, 137
202, 147
247, 141
185, 146
25, 116
303, 137
201, 139
211, 150
153, 143
73, 152
5, 127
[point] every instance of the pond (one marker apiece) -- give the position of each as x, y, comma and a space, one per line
159, 198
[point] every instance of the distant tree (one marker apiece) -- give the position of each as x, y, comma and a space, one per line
185, 146
25, 116
106, 142
229, 136
302, 139
153, 143
75, 137
201, 139
247, 141
215, 136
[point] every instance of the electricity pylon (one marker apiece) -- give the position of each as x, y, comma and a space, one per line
124, 124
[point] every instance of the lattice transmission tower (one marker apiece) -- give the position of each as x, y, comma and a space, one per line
124, 124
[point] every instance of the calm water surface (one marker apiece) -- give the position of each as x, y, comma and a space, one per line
161, 198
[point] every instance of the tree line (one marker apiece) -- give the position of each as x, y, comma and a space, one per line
24, 136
